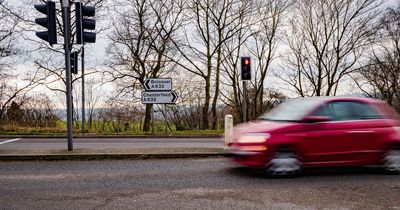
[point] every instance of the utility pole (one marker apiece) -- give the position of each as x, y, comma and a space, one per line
65, 8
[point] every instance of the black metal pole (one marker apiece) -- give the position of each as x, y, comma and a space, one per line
244, 103
165, 118
83, 87
65, 7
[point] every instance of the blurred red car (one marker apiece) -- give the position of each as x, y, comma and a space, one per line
320, 132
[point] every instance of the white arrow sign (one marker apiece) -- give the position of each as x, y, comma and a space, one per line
159, 97
158, 84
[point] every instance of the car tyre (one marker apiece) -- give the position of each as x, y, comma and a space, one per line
284, 164
391, 161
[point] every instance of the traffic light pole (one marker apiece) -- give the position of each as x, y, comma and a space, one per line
83, 87
244, 103
65, 7
245, 68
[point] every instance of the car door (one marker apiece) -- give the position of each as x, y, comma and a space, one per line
365, 133
326, 143
348, 138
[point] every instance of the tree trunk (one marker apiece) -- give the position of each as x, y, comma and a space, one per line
215, 99
260, 106
206, 106
147, 118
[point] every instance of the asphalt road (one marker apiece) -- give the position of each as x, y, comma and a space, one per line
110, 143
188, 184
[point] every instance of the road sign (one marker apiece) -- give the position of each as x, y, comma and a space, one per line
158, 84
159, 97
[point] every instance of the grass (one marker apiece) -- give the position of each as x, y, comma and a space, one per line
97, 130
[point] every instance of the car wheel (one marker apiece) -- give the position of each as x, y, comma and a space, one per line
391, 161
284, 164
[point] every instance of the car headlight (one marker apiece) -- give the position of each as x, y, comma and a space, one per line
254, 138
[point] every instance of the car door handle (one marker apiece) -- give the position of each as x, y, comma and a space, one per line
360, 131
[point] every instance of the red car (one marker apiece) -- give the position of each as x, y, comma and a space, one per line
320, 132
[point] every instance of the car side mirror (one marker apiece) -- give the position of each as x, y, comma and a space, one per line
315, 119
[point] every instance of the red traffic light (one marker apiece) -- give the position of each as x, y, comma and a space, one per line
246, 68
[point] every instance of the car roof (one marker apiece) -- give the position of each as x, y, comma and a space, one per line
341, 98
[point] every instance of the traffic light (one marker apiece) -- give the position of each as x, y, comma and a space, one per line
82, 23
246, 68
49, 22
74, 62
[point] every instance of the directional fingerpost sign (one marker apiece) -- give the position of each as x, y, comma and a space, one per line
159, 97
158, 91
158, 84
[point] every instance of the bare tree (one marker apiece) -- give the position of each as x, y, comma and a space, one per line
39, 111
141, 43
117, 116
263, 45
94, 96
231, 90
381, 75
186, 114
259, 36
12, 82
211, 23
326, 40
48, 60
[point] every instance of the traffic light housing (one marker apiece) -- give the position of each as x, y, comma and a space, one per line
246, 68
49, 22
74, 62
82, 23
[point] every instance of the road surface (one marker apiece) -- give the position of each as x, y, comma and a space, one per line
188, 184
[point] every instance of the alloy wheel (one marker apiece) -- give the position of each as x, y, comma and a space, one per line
284, 164
391, 161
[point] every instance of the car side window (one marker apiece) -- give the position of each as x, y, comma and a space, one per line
324, 110
342, 110
347, 110
365, 111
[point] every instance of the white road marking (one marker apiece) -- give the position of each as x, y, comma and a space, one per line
9, 141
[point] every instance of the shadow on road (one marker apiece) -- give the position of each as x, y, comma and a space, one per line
312, 172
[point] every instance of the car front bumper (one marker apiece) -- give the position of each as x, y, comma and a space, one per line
248, 158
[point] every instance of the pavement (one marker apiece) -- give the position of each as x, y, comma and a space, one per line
24, 148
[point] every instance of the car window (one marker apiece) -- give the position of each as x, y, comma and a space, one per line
324, 110
347, 110
291, 110
365, 111
342, 111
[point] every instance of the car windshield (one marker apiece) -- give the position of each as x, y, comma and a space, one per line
291, 110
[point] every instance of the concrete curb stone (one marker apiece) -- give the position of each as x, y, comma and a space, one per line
108, 154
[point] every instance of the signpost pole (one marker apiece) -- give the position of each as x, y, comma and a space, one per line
165, 118
152, 119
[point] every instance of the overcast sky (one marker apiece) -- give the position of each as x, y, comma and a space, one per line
95, 53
